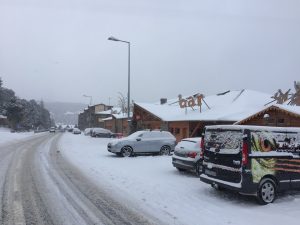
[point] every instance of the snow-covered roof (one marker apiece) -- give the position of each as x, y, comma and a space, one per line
108, 118
251, 127
69, 113
114, 110
3, 117
229, 106
288, 108
122, 115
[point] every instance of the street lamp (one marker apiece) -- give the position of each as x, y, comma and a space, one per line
90, 114
128, 96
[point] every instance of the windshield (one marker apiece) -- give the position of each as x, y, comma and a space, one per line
135, 134
226, 142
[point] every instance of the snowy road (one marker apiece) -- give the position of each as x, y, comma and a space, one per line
37, 186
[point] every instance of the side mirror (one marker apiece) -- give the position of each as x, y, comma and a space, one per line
139, 139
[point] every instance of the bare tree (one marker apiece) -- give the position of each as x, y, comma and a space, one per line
122, 102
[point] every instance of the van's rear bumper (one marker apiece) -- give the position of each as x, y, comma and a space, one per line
249, 189
228, 185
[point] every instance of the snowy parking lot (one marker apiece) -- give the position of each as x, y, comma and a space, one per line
152, 184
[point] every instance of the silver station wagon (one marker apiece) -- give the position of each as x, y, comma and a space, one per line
162, 142
187, 155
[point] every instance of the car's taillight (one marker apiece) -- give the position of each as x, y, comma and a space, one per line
202, 148
192, 154
245, 153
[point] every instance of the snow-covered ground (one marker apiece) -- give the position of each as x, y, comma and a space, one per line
6, 136
153, 184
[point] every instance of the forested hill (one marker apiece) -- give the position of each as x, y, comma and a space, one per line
22, 114
65, 112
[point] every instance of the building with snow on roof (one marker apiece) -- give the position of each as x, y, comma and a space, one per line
187, 116
93, 116
3, 121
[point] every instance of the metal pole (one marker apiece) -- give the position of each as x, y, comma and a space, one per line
128, 104
128, 93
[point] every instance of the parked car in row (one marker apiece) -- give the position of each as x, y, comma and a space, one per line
76, 131
252, 160
187, 155
87, 131
101, 132
162, 142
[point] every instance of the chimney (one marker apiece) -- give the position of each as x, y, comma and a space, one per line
163, 101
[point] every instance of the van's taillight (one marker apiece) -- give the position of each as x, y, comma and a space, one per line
245, 153
202, 148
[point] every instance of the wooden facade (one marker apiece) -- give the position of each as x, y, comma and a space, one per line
143, 119
117, 125
273, 116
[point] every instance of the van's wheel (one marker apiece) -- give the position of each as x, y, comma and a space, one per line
126, 151
266, 191
165, 150
198, 168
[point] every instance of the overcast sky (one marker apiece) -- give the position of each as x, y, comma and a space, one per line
57, 50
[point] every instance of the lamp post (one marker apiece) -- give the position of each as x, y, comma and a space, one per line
90, 114
128, 94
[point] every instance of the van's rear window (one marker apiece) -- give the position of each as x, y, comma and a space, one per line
223, 141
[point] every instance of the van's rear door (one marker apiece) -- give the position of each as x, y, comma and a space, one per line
222, 155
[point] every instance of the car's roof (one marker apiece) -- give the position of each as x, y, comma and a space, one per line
253, 128
198, 139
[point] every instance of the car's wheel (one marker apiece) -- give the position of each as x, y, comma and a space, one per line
126, 151
266, 191
198, 168
165, 150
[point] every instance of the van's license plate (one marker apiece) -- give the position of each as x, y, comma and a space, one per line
210, 172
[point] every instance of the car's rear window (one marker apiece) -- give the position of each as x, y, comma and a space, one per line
188, 144
223, 141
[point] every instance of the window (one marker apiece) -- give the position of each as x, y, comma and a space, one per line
271, 121
280, 121
177, 130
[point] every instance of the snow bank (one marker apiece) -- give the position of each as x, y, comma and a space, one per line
6, 136
153, 184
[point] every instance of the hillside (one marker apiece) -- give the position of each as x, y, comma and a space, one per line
65, 112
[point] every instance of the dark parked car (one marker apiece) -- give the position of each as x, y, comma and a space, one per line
76, 131
101, 132
87, 131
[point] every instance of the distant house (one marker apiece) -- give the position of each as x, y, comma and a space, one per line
93, 116
3, 121
274, 115
224, 108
